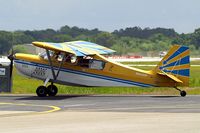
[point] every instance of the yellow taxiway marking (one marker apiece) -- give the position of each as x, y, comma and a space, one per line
53, 108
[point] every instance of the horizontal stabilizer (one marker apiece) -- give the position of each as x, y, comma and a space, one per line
170, 76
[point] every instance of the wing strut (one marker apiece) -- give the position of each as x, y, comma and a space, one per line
51, 65
55, 75
60, 65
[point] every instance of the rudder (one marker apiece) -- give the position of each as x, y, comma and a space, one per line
177, 63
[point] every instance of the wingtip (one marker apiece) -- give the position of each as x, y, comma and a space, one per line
36, 42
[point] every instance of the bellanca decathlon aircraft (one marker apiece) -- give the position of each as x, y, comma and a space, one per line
82, 63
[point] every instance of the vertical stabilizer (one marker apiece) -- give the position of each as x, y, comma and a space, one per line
177, 63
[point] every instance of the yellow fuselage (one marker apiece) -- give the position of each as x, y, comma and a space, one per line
112, 71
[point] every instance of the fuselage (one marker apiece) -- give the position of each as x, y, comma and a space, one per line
98, 72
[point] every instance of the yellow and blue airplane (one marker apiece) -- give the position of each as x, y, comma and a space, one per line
82, 63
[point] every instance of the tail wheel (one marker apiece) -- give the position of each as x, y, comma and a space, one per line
183, 93
52, 90
41, 91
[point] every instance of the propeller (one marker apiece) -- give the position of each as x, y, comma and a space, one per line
11, 57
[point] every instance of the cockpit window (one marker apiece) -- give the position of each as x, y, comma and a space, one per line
44, 54
58, 56
87, 61
91, 63
54, 55
96, 64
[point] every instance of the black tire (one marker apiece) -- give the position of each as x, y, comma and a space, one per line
183, 93
41, 91
52, 90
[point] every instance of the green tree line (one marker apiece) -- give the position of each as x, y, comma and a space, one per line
128, 40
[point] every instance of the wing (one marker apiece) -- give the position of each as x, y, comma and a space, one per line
79, 48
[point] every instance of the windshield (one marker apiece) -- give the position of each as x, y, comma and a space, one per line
44, 54
54, 55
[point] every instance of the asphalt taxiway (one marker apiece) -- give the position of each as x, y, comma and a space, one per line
101, 103
89, 113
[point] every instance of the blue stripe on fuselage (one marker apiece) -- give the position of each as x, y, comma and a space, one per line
87, 74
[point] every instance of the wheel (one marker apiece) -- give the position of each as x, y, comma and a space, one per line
183, 93
52, 90
41, 91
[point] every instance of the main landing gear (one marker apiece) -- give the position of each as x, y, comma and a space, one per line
182, 92
43, 91
51, 90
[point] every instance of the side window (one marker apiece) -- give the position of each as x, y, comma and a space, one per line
96, 64
91, 63
70, 58
58, 56
84, 62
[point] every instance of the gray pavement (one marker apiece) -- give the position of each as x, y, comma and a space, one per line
100, 103
99, 114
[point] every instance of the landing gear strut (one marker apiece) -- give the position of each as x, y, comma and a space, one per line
182, 92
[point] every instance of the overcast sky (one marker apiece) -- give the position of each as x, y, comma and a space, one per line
107, 15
